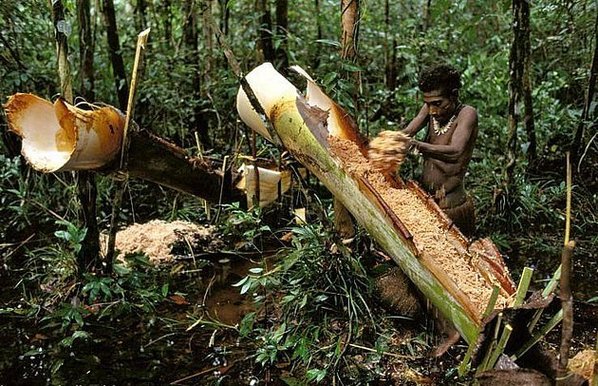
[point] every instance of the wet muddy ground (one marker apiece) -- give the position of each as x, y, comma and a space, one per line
139, 351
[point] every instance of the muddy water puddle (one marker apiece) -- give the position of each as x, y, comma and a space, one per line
221, 300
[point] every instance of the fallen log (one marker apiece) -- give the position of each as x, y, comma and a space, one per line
410, 227
61, 137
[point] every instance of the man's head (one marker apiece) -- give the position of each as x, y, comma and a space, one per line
440, 85
442, 77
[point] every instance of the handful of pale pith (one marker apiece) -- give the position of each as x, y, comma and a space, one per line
387, 151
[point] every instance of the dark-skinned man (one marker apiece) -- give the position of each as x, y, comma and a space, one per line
447, 149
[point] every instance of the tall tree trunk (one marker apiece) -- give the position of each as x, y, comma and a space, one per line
64, 69
516, 69
167, 19
350, 15
208, 35
526, 82
198, 122
282, 28
350, 28
118, 65
425, 22
587, 115
224, 16
390, 53
265, 45
140, 15
349, 39
86, 183
86, 50
315, 62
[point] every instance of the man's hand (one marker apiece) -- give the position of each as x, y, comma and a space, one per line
387, 151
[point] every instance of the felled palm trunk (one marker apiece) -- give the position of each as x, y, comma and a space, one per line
61, 137
403, 219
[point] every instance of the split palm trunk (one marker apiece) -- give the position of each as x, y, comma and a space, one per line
457, 276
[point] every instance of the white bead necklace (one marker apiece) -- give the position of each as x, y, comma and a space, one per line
439, 130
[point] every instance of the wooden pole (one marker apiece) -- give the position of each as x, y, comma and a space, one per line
121, 186
567, 304
566, 295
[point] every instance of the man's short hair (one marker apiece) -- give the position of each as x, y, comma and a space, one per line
442, 77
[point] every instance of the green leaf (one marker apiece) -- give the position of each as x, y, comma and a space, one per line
316, 374
334, 43
121, 269
80, 334
33, 352
246, 287
78, 318
56, 366
241, 282
246, 325
64, 235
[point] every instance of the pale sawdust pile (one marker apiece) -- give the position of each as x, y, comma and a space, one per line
387, 151
428, 235
157, 238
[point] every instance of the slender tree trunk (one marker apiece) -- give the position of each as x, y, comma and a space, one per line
118, 65
87, 257
528, 119
64, 69
224, 16
350, 28
319, 35
86, 50
86, 183
140, 15
349, 39
390, 53
425, 20
516, 69
265, 44
350, 15
167, 18
586, 114
198, 122
282, 27
208, 35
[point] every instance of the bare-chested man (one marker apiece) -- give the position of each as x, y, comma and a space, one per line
447, 149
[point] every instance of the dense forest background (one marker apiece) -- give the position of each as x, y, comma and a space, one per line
187, 94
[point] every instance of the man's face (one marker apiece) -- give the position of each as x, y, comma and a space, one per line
439, 104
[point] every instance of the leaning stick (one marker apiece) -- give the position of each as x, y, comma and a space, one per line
567, 304
566, 295
550, 287
141, 42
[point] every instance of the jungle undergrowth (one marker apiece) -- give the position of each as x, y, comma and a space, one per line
315, 310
